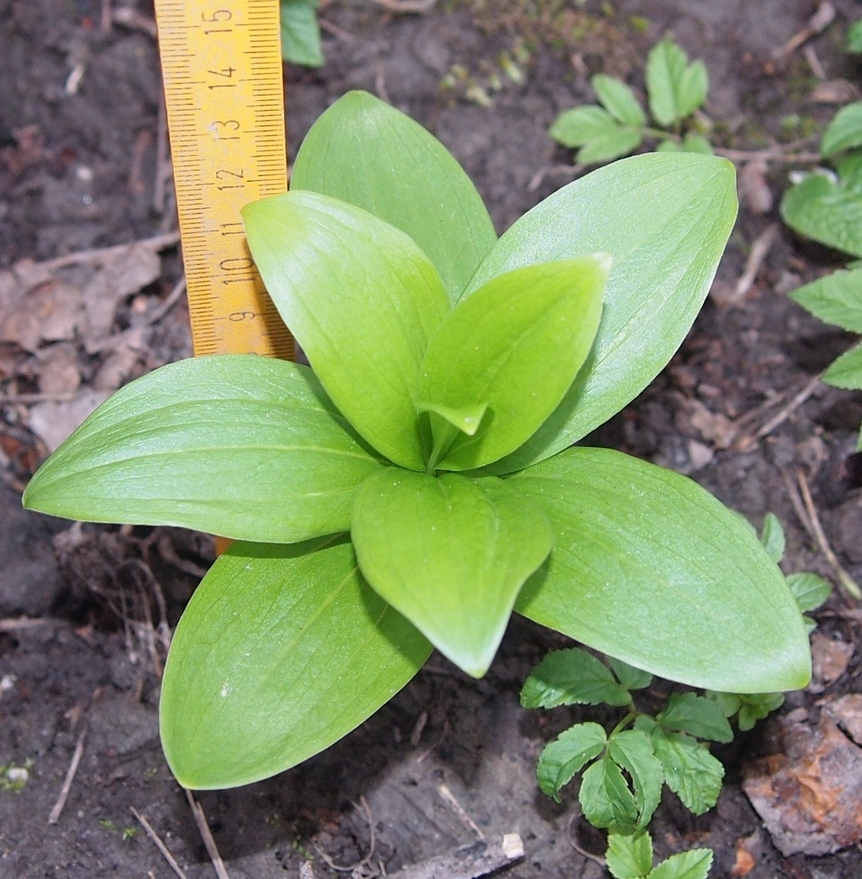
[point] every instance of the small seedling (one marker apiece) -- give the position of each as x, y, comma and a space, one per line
418, 483
622, 772
618, 125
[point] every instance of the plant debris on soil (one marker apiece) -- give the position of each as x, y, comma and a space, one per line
91, 297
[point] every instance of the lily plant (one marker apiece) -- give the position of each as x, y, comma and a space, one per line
419, 480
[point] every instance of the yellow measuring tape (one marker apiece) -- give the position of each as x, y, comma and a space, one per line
221, 64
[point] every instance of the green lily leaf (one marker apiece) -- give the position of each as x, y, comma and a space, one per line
695, 596
281, 651
371, 155
515, 345
450, 554
828, 212
344, 280
665, 220
176, 447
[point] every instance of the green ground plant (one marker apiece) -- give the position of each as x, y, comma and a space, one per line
623, 772
619, 124
418, 482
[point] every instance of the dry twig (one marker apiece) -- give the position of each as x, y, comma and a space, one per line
406, 6
803, 503
354, 868
759, 250
746, 443
206, 835
460, 811
159, 844
822, 18
54, 817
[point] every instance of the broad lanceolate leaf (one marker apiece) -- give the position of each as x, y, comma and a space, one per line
369, 154
629, 856
694, 864
618, 99
835, 298
697, 716
571, 677
300, 33
665, 220
846, 371
694, 595
676, 88
690, 771
844, 131
828, 212
450, 554
281, 651
362, 300
515, 347
562, 759
241, 446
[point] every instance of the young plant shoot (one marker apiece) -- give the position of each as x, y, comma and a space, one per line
419, 482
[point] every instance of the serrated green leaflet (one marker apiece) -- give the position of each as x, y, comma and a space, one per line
300, 33
281, 651
690, 771
631, 749
828, 212
697, 716
629, 857
676, 88
846, 370
571, 677
694, 864
844, 131
341, 279
809, 590
696, 597
630, 677
836, 299
365, 152
665, 220
450, 554
563, 758
176, 448
618, 99
772, 537
605, 797
513, 347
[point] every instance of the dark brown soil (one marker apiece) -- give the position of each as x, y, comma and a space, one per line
78, 168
